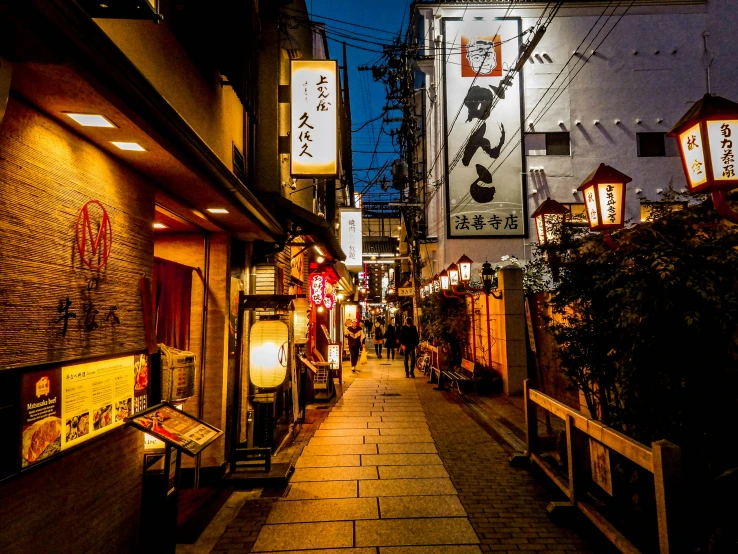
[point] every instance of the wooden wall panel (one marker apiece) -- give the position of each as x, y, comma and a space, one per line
89, 500
47, 173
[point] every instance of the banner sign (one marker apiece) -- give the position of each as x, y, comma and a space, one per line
483, 115
405, 291
314, 118
351, 238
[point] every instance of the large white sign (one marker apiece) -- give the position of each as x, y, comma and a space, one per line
351, 237
484, 159
314, 118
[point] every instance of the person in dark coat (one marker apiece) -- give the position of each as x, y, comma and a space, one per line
378, 337
409, 338
390, 340
355, 336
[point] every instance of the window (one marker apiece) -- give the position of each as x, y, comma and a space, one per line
651, 145
239, 165
547, 144
577, 216
651, 211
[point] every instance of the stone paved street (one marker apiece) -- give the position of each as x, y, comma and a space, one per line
397, 467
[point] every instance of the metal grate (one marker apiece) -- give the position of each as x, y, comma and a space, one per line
265, 279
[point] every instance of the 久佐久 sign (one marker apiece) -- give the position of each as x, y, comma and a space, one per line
314, 118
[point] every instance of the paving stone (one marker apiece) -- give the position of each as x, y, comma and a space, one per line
347, 425
401, 431
329, 461
311, 490
401, 409
455, 549
417, 425
332, 441
295, 536
399, 459
406, 487
331, 551
339, 449
334, 474
337, 509
420, 506
345, 432
401, 416
411, 532
411, 472
406, 448
399, 439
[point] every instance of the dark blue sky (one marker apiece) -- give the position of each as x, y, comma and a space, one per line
367, 96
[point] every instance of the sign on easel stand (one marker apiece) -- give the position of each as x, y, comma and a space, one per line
179, 432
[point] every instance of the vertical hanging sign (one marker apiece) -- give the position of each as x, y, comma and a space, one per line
314, 118
351, 238
484, 162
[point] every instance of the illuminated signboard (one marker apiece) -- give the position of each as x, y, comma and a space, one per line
351, 237
314, 118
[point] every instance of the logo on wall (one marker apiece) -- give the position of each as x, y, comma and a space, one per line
481, 56
94, 234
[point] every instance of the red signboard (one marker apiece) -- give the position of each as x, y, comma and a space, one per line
94, 246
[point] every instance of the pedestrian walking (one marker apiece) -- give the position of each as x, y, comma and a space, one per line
355, 336
378, 339
409, 339
390, 340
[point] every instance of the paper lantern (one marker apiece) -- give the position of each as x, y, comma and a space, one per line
453, 275
604, 197
268, 347
443, 276
706, 136
465, 263
549, 217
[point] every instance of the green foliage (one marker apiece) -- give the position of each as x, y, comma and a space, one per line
446, 321
648, 331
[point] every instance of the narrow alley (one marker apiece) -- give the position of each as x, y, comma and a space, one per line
398, 467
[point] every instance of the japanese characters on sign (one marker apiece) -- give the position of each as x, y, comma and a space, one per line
694, 156
722, 134
314, 118
485, 191
317, 286
351, 238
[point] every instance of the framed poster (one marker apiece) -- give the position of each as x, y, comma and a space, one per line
179, 429
483, 113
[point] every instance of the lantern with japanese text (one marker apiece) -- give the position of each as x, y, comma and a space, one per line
443, 276
317, 288
453, 275
465, 263
436, 284
549, 218
706, 136
268, 346
604, 198
329, 296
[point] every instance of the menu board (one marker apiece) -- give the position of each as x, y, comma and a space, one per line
96, 397
177, 428
40, 415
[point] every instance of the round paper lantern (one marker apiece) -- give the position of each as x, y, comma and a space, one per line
268, 346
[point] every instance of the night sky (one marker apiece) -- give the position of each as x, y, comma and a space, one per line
367, 96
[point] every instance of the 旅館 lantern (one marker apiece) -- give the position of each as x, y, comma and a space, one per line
708, 139
268, 350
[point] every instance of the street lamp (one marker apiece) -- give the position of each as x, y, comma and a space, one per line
549, 219
705, 136
488, 278
453, 274
465, 264
604, 198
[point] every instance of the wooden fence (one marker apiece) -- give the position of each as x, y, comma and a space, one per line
662, 459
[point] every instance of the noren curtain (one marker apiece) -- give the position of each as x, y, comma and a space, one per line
172, 303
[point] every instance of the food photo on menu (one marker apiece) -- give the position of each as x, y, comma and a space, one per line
77, 426
123, 409
102, 417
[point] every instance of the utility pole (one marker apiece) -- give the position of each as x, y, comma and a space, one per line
348, 161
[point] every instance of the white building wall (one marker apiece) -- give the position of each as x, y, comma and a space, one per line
656, 86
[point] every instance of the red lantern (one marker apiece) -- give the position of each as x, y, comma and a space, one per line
604, 198
549, 217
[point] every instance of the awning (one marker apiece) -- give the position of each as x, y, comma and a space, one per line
306, 223
344, 278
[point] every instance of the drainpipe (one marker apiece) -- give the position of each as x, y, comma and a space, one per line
204, 328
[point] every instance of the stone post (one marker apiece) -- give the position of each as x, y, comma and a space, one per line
513, 363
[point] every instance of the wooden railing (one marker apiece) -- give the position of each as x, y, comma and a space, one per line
663, 460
